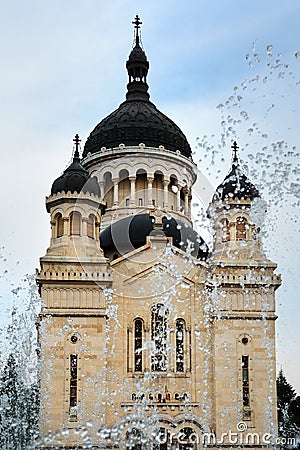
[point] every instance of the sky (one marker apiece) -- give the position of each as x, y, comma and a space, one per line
221, 70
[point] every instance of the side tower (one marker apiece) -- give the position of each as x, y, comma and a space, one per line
242, 287
72, 280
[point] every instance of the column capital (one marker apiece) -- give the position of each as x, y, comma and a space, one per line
115, 180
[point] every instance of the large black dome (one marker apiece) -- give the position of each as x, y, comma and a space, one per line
137, 120
130, 233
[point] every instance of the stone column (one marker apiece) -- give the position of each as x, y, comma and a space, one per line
116, 191
52, 224
97, 230
178, 198
102, 185
66, 226
150, 180
186, 200
232, 231
190, 202
166, 193
84, 226
132, 191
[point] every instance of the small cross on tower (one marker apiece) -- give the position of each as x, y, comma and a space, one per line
235, 150
77, 141
137, 25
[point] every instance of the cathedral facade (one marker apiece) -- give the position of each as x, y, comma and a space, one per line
148, 338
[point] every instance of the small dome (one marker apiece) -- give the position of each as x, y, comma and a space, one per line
137, 119
236, 185
76, 179
130, 233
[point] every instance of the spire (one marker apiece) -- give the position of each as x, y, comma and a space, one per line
75, 178
137, 67
236, 184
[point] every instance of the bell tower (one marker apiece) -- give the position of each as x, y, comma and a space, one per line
242, 287
73, 277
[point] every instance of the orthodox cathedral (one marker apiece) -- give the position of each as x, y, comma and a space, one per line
148, 338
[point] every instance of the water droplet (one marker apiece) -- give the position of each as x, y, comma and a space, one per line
297, 54
269, 50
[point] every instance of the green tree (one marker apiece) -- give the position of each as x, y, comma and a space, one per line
18, 409
288, 407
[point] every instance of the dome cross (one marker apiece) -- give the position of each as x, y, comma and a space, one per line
77, 141
137, 25
235, 151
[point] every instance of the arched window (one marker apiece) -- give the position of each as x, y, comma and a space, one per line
180, 328
91, 226
75, 223
159, 338
59, 225
225, 233
241, 228
138, 343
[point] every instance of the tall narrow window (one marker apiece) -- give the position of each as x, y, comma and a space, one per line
73, 381
180, 345
91, 226
75, 223
245, 380
138, 343
159, 338
59, 225
241, 228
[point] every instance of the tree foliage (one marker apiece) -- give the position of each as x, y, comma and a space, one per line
288, 407
18, 409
